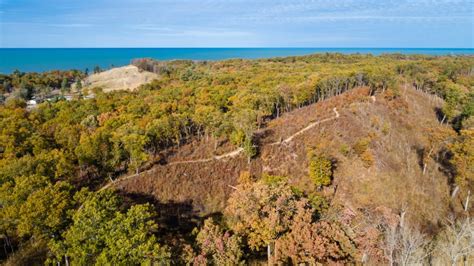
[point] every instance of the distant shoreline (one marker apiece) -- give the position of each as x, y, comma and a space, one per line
47, 59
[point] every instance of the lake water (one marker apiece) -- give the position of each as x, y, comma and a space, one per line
38, 59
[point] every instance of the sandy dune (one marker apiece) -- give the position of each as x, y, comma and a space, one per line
120, 78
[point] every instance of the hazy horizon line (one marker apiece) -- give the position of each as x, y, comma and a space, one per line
230, 47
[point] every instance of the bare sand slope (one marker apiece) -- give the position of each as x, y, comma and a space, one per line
120, 78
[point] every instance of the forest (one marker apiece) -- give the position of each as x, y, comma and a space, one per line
56, 158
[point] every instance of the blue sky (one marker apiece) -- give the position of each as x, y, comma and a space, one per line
236, 23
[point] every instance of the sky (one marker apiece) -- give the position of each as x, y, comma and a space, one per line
237, 23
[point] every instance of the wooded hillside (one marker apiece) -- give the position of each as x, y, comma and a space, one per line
235, 161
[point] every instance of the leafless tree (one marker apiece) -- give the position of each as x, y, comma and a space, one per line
413, 246
404, 245
391, 243
457, 241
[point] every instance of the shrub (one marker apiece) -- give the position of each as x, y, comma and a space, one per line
320, 169
361, 146
318, 202
367, 158
385, 128
273, 179
344, 149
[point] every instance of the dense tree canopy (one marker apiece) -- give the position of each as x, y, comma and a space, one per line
102, 234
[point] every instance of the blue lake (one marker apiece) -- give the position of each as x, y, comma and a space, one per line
44, 59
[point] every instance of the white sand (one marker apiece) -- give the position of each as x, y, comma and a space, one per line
120, 78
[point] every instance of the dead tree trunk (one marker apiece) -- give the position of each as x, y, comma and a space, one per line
466, 206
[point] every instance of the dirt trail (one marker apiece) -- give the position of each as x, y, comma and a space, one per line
217, 157
310, 126
231, 154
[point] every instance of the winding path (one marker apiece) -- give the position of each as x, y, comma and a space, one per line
310, 126
218, 157
231, 154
